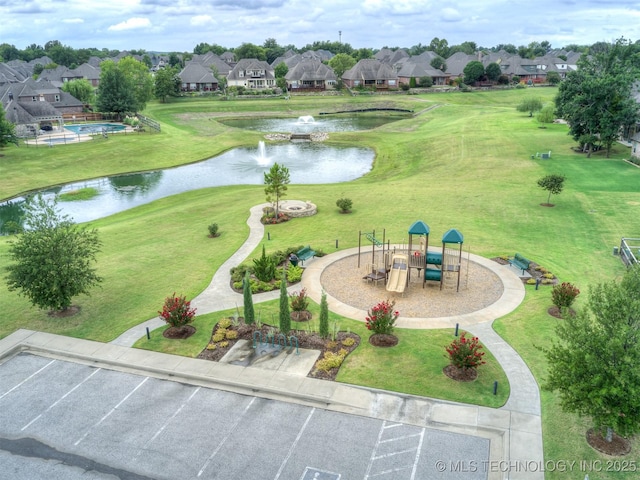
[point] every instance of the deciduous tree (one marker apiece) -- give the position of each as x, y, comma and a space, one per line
116, 91
594, 363
596, 100
276, 181
473, 71
530, 104
81, 89
53, 258
341, 63
553, 184
7, 131
166, 83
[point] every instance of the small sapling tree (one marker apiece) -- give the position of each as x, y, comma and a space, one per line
276, 181
553, 184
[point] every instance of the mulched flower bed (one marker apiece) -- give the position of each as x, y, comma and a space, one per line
307, 340
383, 340
555, 312
618, 446
531, 271
179, 333
68, 312
460, 374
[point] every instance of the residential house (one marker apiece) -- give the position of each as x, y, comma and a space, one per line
286, 57
371, 73
310, 75
229, 58
395, 58
252, 74
212, 62
35, 105
195, 77
10, 74
457, 62
53, 75
85, 71
418, 67
29, 113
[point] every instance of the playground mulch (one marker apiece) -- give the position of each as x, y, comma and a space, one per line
479, 288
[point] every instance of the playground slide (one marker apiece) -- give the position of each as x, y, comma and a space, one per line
398, 274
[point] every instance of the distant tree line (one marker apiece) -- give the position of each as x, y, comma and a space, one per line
270, 50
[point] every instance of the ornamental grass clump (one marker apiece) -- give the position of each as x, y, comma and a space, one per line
382, 317
564, 295
465, 353
177, 311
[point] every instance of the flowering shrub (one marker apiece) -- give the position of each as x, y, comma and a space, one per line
177, 311
382, 317
563, 295
465, 353
299, 300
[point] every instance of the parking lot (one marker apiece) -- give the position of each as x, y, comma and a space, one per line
66, 420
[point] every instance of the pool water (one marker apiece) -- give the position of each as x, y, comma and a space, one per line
89, 128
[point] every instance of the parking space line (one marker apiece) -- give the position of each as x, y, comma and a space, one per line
374, 457
60, 399
415, 463
175, 414
110, 412
26, 380
295, 442
226, 437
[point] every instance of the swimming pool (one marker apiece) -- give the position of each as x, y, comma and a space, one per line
89, 128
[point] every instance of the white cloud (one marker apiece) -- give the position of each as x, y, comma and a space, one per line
73, 20
200, 20
450, 15
399, 7
131, 24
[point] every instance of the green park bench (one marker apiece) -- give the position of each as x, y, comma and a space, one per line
520, 262
305, 253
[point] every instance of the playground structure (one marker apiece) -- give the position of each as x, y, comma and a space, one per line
395, 265
375, 271
441, 267
398, 273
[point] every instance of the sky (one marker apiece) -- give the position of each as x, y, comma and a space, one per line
180, 25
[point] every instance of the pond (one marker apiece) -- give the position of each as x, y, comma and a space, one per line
308, 163
311, 124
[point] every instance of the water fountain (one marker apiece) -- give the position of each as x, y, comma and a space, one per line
308, 163
306, 119
261, 157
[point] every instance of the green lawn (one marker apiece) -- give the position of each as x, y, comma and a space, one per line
465, 164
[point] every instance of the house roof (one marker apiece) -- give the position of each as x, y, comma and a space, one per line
197, 73
15, 113
370, 69
391, 57
251, 64
210, 59
53, 75
457, 62
85, 70
9, 74
419, 66
310, 69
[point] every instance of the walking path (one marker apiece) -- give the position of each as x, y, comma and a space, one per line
515, 429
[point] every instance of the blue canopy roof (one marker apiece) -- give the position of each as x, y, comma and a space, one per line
452, 236
419, 228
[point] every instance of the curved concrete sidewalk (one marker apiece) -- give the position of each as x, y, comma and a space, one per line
523, 422
524, 396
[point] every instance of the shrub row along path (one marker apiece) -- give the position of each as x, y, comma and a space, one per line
519, 418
